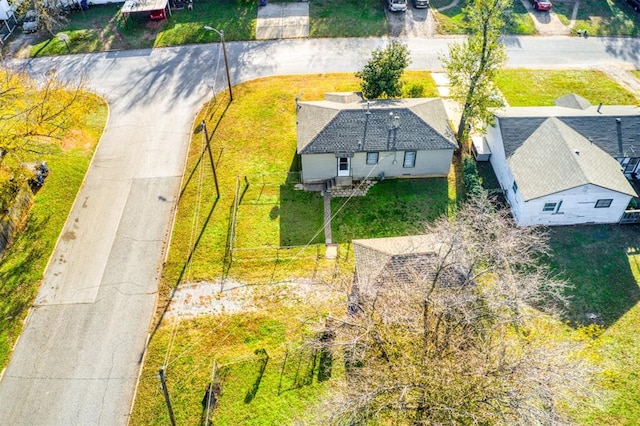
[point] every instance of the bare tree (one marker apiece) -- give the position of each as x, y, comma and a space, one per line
451, 338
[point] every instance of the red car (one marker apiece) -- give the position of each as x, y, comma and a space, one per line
541, 4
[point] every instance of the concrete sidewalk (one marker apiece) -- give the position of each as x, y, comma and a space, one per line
283, 20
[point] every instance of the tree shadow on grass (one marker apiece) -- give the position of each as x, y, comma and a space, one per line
599, 261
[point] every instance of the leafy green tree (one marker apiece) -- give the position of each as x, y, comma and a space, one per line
381, 75
472, 64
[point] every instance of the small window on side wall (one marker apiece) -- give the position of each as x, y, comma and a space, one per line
603, 204
409, 159
549, 207
372, 158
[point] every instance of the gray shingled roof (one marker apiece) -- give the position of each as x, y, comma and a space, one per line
517, 125
572, 101
329, 127
400, 259
556, 158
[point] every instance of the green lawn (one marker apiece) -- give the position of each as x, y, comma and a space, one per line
541, 87
415, 201
22, 267
101, 28
600, 17
451, 21
254, 148
603, 264
347, 18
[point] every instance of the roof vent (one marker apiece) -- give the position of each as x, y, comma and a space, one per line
394, 121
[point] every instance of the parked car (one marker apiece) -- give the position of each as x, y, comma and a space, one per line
30, 22
541, 4
397, 5
421, 4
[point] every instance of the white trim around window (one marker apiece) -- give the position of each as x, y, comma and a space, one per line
604, 203
409, 159
372, 158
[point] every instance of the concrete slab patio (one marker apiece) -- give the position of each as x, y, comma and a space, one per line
283, 20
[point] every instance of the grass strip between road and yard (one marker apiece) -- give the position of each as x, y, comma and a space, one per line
524, 87
23, 265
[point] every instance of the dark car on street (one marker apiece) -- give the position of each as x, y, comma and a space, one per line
421, 4
541, 4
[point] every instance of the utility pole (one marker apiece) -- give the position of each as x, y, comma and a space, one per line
165, 391
226, 61
213, 164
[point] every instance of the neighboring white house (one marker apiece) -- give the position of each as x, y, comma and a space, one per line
567, 164
347, 138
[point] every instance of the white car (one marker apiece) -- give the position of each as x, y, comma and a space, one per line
397, 5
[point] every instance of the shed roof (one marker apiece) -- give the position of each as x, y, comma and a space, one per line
382, 125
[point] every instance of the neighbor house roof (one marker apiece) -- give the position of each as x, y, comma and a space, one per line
344, 123
597, 124
556, 158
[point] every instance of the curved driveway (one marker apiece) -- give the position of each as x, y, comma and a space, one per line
79, 355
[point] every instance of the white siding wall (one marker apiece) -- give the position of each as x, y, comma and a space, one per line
498, 161
578, 207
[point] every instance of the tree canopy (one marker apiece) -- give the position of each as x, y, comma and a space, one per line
453, 338
472, 64
34, 114
381, 74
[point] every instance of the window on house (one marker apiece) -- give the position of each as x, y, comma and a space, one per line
631, 165
515, 186
372, 158
549, 207
409, 159
603, 204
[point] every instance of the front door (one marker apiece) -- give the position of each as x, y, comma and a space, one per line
344, 166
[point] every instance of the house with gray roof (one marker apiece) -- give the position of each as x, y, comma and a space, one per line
566, 164
346, 138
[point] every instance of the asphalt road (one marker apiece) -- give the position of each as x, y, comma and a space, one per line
79, 356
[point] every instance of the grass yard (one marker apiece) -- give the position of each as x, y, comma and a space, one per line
259, 144
416, 201
100, 28
22, 267
541, 87
600, 17
254, 140
603, 263
254, 390
451, 21
347, 18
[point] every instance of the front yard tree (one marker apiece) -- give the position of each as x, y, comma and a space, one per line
456, 339
34, 115
381, 75
471, 65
